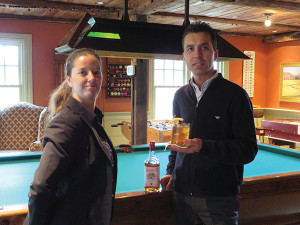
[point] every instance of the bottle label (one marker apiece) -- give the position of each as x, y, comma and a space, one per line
152, 176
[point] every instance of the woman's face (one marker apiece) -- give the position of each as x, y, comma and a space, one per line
86, 79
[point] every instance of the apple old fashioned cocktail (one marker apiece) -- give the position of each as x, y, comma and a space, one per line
180, 132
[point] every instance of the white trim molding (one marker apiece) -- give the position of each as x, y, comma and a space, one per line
25, 43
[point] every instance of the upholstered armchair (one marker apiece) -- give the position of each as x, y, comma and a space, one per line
22, 127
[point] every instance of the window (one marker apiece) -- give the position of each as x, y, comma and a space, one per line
15, 68
222, 67
168, 76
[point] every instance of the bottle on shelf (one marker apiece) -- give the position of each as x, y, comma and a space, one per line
152, 171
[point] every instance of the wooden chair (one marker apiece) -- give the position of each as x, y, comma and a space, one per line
260, 132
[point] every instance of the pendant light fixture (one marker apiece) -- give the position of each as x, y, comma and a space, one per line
268, 21
131, 39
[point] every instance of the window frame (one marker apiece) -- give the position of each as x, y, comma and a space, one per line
222, 67
152, 87
25, 59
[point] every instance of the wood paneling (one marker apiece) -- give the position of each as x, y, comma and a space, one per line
59, 69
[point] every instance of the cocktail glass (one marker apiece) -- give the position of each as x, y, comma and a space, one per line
180, 132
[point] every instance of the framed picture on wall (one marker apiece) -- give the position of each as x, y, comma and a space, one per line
290, 82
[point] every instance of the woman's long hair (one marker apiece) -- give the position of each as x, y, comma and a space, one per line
62, 93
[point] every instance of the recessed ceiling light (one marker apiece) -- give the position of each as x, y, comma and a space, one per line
274, 31
99, 3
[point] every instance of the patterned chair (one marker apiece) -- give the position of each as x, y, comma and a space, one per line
22, 127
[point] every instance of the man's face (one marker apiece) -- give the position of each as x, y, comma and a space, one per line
199, 54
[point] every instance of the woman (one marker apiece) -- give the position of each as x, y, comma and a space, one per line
76, 180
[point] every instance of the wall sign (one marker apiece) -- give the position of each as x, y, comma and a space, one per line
248, 73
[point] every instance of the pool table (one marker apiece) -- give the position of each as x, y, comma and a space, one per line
270, 193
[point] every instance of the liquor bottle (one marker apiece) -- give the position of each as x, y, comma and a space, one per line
152, 170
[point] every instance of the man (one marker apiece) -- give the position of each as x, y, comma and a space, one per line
205, 177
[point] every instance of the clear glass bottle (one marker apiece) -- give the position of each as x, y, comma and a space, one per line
152, 164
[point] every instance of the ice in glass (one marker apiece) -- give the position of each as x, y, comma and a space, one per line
180, 131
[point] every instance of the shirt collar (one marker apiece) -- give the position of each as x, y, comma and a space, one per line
205, 85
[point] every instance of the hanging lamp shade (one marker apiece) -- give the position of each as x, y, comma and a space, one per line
119, 38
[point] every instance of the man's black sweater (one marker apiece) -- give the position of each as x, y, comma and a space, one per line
223, 119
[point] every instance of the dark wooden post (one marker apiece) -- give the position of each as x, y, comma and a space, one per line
139, 98
139, 104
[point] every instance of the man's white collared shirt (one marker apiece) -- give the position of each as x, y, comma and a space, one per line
199, 93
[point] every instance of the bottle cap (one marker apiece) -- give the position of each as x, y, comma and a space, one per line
152, 145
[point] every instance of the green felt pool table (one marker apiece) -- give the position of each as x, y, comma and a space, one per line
272, 182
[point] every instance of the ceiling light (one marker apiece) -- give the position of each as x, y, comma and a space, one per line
268, 21
99, 3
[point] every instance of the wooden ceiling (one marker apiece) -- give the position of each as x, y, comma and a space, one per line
232, 17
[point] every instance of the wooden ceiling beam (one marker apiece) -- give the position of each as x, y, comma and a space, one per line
235, 34
149, 7
263, 4
277, 38
227, 21
37, 18
52, 5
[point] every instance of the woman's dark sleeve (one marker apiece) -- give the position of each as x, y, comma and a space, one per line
59, 141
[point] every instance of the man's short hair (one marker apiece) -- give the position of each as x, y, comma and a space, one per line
201, 27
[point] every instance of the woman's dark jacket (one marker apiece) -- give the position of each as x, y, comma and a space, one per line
223, 119
76, 180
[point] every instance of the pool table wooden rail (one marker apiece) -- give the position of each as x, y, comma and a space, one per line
142, 208
133, 208
270, 199
264, 200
